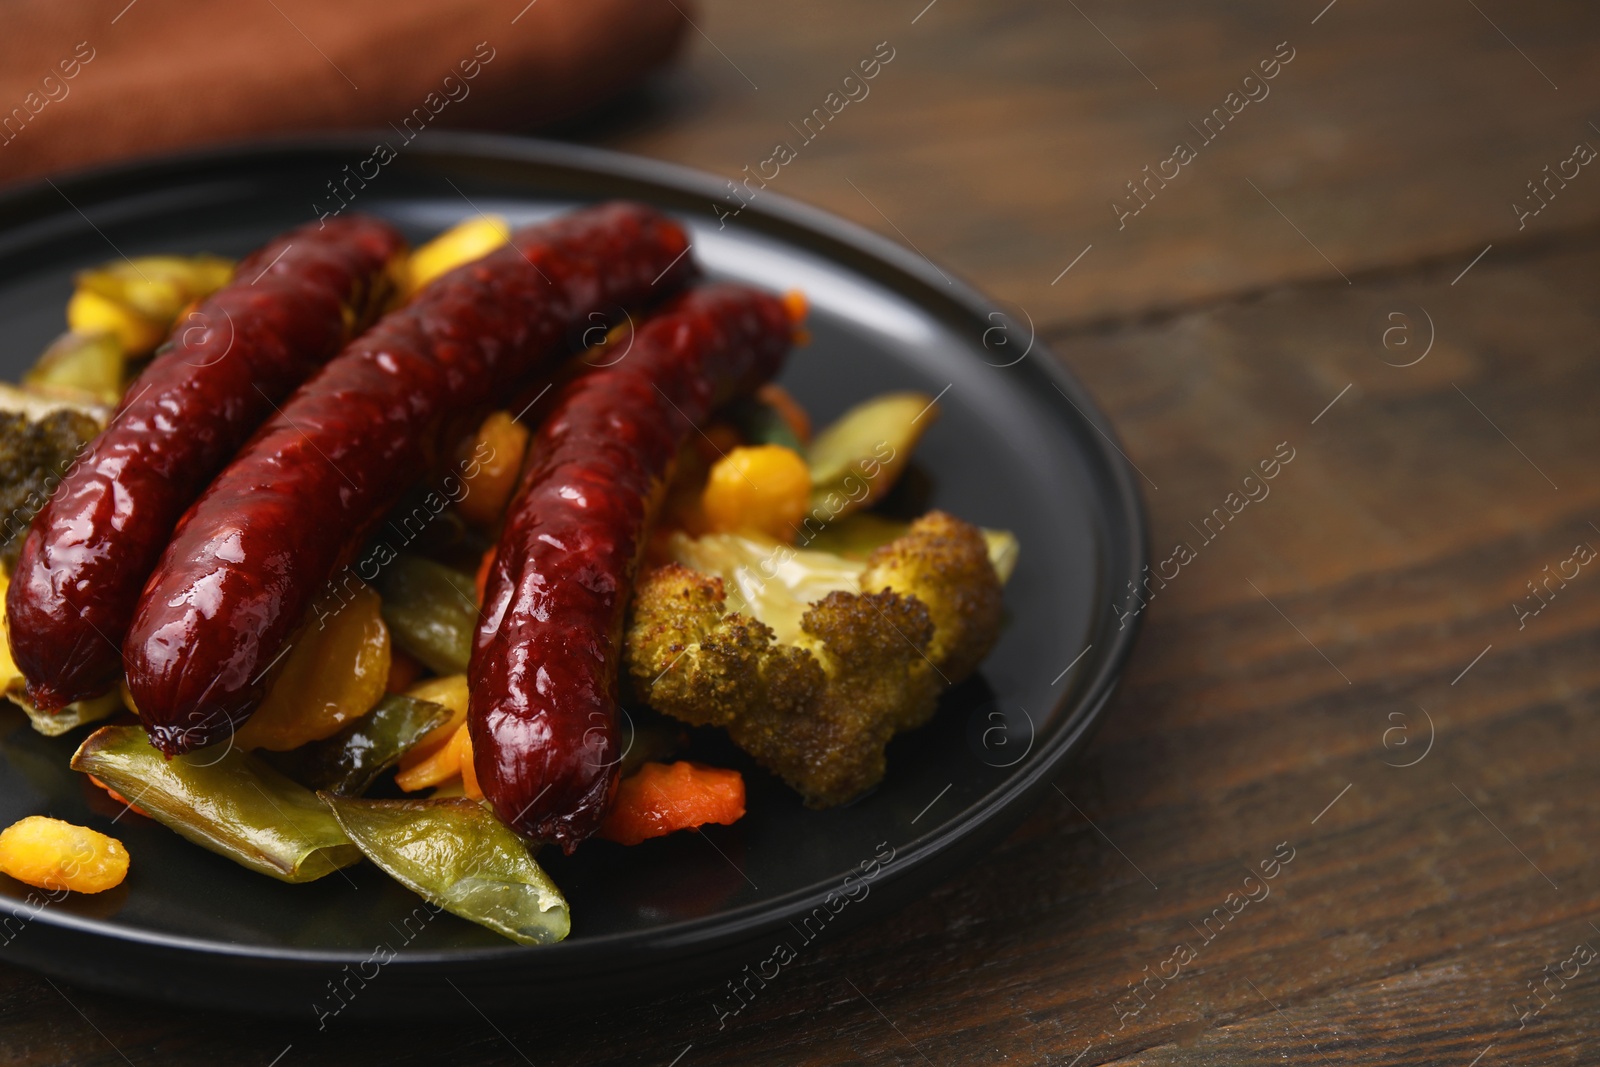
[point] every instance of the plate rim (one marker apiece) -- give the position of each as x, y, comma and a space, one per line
1084, 706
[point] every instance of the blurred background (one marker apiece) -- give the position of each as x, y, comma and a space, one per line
996, 141
1213, 213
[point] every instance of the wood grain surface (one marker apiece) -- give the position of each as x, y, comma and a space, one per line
1341, 675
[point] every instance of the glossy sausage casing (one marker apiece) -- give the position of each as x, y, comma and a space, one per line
543, 677
261, 545
291, 307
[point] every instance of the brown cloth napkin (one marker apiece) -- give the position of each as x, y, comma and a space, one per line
93, 80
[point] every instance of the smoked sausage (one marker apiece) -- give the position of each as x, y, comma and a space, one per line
290, 308
543, 676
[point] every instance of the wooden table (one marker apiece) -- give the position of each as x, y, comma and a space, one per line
1356, 673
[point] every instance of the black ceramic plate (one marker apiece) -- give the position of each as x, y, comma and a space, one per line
1019, 446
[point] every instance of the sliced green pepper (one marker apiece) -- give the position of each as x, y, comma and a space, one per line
233, 804
456, 855
432, 611
348, 762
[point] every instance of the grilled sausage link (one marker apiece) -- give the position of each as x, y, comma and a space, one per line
543, 675
291, 307
259, 547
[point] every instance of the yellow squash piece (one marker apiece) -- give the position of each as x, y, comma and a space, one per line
9, 672
52, 854
462, 243
334, 673
90, 312
497, 452
137, 300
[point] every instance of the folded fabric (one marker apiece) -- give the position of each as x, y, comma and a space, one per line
95, 80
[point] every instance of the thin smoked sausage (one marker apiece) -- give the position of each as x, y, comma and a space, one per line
543, 674
291, 307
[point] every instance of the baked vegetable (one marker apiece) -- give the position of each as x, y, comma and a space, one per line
457, 856
230, 802
814, 683
431, 610
333, 674
86, 367
37, 448
137, 300
352, 759
662, 798
859, 457
52, 854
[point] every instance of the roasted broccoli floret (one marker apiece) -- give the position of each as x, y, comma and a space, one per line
816, 694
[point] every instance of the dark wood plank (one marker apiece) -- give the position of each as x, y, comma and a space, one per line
999, 135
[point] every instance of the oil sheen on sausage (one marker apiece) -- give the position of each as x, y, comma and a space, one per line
260, 546
543, 675
290, 308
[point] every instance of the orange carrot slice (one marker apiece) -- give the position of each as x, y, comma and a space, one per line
437, 769
469, 774
788, 408
119, 798
663, 797
482, 579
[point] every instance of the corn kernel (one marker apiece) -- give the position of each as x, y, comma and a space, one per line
52, 854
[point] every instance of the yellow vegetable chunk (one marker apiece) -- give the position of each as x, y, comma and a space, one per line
497, 452
462, 243
89, 312
10, 674
52, 854
469, 773
762, 489
139, 299
336, 671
